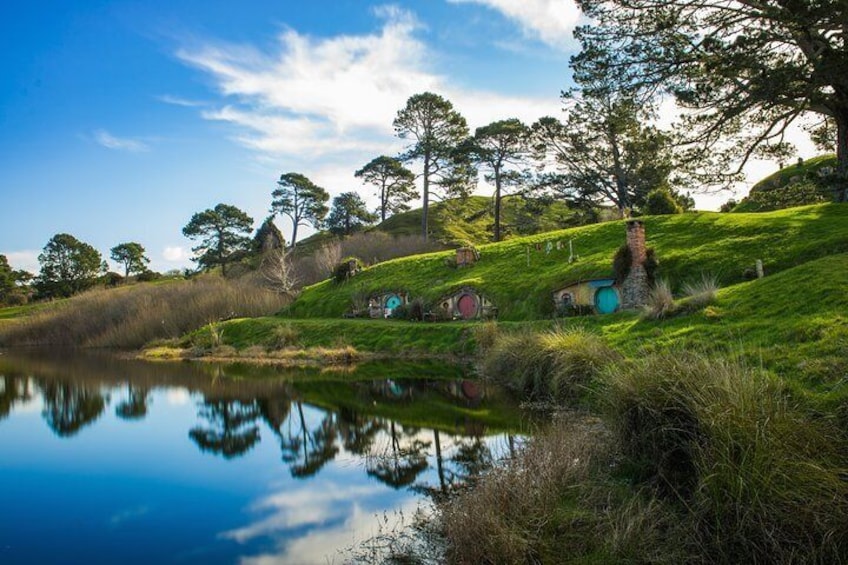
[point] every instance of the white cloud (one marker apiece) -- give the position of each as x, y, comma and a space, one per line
551, 21
109, 141
176, 254
180, 101
334, 99
26, 260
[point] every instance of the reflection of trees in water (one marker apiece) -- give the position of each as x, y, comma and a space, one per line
398, 465
135, 406
357, 432
68, 407
13, 389
307, 450
232, 429
470, 458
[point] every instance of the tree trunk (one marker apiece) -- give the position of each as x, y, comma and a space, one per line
426, 195
842, 156
383, 202
294, 235
497, 204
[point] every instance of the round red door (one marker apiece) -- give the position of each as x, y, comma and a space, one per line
467, 306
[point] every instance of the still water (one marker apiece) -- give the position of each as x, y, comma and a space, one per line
109, 460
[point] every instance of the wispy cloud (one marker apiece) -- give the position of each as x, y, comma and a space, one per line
110, 141
334, 99
180, 101
551, 21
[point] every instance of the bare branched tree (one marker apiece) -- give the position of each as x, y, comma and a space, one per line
277, 272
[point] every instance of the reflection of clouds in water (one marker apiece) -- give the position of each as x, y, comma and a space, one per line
127, 515
177, 396
327, 545
307, 506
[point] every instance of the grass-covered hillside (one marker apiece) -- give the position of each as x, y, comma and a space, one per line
805, 182
687, 245
467, 221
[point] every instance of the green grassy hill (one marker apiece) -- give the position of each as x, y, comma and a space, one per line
457, 222
687, 245
794, 185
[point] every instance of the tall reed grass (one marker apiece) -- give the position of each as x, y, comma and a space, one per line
554, 366
129, 317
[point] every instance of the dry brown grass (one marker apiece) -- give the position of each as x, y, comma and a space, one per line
132, 316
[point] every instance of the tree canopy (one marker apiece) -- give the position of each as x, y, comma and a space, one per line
604, 152
435, 129
224, 234
68, 266
10, 280
268, 237
746, 69
303, 201
503, 148
131, 256
395, 184
348, 214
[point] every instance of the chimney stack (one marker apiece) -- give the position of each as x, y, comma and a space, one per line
634, 289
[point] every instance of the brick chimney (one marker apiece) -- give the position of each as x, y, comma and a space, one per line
634, 289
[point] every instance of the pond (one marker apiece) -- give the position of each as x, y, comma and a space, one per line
111, 460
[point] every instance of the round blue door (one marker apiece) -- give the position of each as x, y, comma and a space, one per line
606, 300
392, 302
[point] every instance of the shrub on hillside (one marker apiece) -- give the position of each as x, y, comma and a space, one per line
661, 201
348, 268
660, 303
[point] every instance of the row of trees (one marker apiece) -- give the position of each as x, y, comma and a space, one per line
67, 266
602, 154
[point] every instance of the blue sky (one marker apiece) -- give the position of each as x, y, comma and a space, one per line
120, 119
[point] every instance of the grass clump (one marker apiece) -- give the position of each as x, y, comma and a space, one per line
660, 302
553, 366
757, 479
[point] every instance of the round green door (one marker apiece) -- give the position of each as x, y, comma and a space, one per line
606, 300
392, 302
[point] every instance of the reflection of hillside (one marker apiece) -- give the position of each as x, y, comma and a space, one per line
399, 429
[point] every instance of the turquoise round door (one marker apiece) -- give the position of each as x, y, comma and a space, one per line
392, 302
606, 300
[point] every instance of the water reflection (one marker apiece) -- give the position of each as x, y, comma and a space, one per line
264, 462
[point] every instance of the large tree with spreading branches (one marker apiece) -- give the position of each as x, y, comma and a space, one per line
603, 153
303, 201
395, 183
503, 148
435, 130
746, 69
224, 234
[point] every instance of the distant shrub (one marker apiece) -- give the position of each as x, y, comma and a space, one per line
283, 335
112, 279
661, 201
347, 268
148, 276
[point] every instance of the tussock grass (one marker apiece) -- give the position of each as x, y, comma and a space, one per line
759, 479
660, 302
553, 366
129, 317
556, 502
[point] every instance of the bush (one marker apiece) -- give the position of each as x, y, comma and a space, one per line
699, 294
148, 276
554, 366
282, 336
759, 480
348, 267
661, 201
